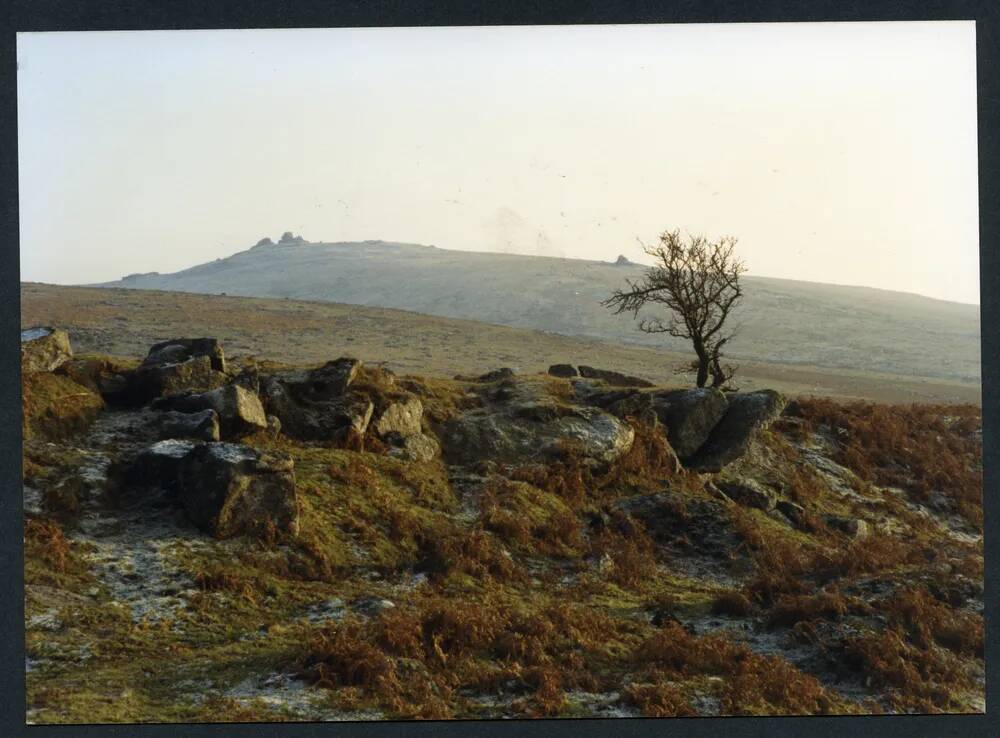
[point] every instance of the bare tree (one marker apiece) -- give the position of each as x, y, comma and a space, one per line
699, 284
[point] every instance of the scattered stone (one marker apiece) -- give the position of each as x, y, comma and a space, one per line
199, 426
616, 379
749, 493
402, 418
689, 416
44, 349
563, 370
746, 414
228, 489
497, 374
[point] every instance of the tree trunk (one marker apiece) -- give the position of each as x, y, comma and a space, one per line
703, 364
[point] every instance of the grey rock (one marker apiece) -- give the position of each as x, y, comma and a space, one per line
563, 370
616, 379
240, 411
177, 350
524, 431
689, 416
746, 414
372, 606
402, 417
191, 375
44, 349
199, 426
228, 489
416, 447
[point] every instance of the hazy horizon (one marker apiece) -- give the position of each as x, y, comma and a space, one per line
836, 153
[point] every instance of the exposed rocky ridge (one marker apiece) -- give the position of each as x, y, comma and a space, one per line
648, 507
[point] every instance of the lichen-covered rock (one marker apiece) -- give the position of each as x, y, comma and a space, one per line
228, 489
522, 428
416, 447
616, 379
563, 370
199, 426
746, 414
402, 417
56, 407
44, 349
688, 416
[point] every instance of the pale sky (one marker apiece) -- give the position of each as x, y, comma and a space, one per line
841, 153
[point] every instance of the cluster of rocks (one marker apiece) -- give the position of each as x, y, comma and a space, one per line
706, 428
198, 410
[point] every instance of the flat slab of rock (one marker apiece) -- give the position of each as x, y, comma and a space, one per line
523, 426
746, 414
689, 416
616, 379
44, 349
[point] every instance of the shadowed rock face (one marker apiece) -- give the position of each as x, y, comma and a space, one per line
44, 349
746, 414
689, 416
229, 489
